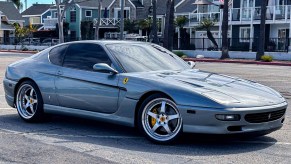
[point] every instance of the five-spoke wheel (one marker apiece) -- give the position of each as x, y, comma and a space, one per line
160, 119
29, 101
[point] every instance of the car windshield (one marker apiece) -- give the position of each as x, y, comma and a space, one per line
146, 57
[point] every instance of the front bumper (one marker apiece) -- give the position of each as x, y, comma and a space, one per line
202, 120
9, 86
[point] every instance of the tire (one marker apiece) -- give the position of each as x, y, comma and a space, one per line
29, 102
159, 119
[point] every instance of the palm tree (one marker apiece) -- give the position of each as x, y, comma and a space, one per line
261, 48
206, 24
224, 50
180, 22
121, 19
130, 26
154, 25
169, 25
145, 24
98, 20
18, 4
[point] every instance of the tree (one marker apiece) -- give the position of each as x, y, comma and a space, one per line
224, 50
87, 30
130, 26
145, 24
261, 48
154, 25
206, 24
121, 19
18, 4
169, 26
60, 15
98, 20
180, 22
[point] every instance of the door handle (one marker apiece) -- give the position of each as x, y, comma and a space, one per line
59, 72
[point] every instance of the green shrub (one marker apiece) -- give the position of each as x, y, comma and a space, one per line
267, 58
180, 54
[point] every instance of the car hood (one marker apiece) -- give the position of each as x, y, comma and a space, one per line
226, 90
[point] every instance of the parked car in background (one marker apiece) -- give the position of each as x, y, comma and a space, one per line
50, 42
30, 41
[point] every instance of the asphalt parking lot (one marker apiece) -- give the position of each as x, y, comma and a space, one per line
73, 140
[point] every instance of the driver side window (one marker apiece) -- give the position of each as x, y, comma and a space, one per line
84, 55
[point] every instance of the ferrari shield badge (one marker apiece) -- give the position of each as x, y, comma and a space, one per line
125, 80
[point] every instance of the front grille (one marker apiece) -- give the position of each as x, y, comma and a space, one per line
264, 117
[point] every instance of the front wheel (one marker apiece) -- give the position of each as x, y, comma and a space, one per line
159, 119
29, 102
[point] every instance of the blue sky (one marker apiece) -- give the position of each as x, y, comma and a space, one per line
30, 2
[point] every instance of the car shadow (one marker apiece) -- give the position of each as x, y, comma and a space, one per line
72, 129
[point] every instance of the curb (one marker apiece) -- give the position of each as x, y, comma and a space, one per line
16, 51
239, 61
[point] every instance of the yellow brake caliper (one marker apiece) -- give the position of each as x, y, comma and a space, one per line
153, 120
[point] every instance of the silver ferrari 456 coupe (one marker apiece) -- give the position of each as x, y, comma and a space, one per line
140, 85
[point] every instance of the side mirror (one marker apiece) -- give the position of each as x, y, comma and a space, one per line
102, 67
192, 64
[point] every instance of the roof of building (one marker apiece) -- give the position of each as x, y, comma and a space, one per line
10, 11
36, 9
162, 6
186, 6
94, 3
5, 26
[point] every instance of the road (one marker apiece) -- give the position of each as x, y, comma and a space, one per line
73, 140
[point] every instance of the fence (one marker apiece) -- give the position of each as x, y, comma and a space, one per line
235, 44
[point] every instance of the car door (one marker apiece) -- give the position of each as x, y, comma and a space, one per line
78, 86
56, 56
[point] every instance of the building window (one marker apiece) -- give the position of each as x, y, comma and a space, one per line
35, 20
88, 13
73, 15
244, 34
126, 13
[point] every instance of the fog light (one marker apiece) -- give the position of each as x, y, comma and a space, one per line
228, 117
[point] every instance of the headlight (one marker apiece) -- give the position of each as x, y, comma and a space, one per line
228, 117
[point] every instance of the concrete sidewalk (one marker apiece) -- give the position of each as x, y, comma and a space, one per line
242, 61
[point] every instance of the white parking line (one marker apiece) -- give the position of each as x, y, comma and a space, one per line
263, 142
5, 108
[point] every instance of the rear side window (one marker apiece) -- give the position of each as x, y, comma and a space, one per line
84, 55
56, 55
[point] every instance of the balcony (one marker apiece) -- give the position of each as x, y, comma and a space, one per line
107, 22
50, 23
275, 14
196, 18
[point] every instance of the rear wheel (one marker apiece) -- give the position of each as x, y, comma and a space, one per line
159, 119
29, 102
